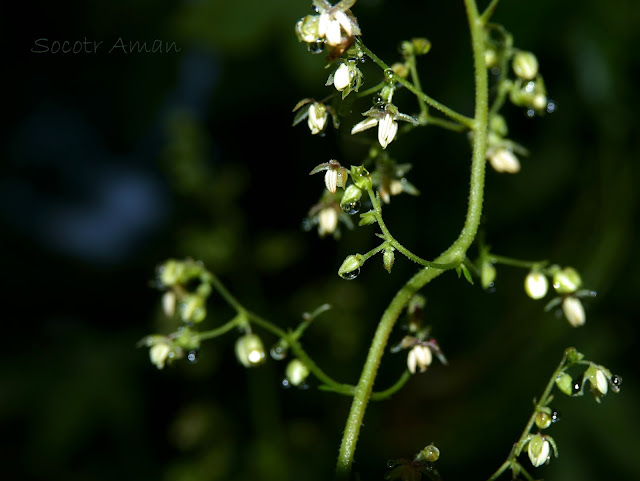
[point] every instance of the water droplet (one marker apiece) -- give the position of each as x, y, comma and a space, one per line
555, 416
351, 207
378, 101
388, 74
316, 47
616, 381
350, 275
193, 355
551, 106
529, 87
531, 113
495, 71
315, 8
286, 383
576, 388
278, 352
392, 463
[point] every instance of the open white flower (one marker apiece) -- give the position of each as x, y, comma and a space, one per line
419, 357
385, 118
335, 19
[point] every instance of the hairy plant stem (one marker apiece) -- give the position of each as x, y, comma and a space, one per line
455, 253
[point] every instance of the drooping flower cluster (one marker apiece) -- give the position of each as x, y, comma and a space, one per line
333, 25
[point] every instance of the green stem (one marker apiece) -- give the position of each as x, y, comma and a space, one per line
462, 119
511, 461
415, 78
488, 12
508, 261
454, 254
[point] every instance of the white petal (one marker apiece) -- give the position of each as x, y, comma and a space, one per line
573, 311
536, 285
327, 221
342, 77
331, 180
364, 125
333, 33
317, 118
602, 384
387, 130
411, 361
344, 20
323, 24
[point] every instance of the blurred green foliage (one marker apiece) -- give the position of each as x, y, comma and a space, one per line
80, 402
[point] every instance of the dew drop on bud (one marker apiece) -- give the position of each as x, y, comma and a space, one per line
193, 355
576, 388
350, 275
278, 352
316, 47
389, 74
351, 208
615, 382
555, 416
551, 106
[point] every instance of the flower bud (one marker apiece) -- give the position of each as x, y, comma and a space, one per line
421, 45
169, 303
543, 420
171, 272
351, 194
565, 383
158, 353
573, 310
566, 281
192, 308
487, 275
387, 258
539, 450
525, 65
317, 117
498, 125
598, 379
361, 177
430, 453
503, 160
327, 221
400, 69
296, 372
249, 350
536, 285
490, 58
307, 29
419, 357
368, 218
350, 268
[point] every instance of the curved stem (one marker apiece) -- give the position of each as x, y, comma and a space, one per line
462, 119
455, 253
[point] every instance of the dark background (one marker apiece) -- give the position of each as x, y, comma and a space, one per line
113, 162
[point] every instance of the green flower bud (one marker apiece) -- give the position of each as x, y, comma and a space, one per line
564, 382
536, 285
351, 195
525, 65
498, 125
307, 29
249, 350
158, 354
490, 58
361, 177
487, 275
400, 70
296, 372
350, 268
387, 258
566, 281
543, 420
421, 46
430, 453
171, 272
192, 308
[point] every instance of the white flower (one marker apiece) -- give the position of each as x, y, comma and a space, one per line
503, 160
249, 350
599, 380
385, 119
419, 357
317, 117
536, 285
158, 354
327, 221
573, 311
335, 176
334, 20
539, 450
